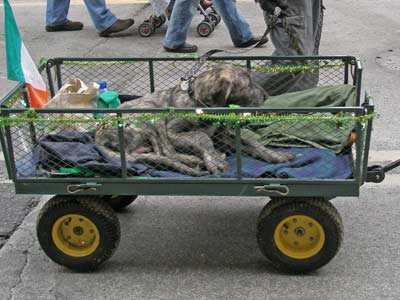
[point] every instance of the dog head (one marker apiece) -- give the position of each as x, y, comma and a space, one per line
223, 85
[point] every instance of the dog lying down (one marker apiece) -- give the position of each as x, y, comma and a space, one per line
185, 146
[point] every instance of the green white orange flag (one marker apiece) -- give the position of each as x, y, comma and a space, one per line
20, 66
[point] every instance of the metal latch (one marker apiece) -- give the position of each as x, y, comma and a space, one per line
282, 190
75, 188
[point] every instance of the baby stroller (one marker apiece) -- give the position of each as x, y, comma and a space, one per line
204, 28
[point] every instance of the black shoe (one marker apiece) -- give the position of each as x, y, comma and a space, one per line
118, 26
185, 48
252, 42
67, 26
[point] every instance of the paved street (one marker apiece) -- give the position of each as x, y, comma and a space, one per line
205, 247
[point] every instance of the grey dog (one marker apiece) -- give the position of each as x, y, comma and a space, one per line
187, 146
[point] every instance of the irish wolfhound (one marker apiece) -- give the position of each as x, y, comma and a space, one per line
187, 146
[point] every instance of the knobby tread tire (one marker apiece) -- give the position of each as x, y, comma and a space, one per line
271, 215
119, 202
98, 211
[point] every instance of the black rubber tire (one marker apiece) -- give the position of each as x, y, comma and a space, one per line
319, 209
163, 19
213, 11
92, 208
157, 21
146, 29
119, 202
214, 19
204, 29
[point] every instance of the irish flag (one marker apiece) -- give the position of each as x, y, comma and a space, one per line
20, 66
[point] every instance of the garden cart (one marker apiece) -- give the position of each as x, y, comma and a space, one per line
298, 230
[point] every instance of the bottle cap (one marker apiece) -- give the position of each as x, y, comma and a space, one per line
102, 84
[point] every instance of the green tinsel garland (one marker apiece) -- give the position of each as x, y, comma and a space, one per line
18, 96
99, 63
266, 69
220, 119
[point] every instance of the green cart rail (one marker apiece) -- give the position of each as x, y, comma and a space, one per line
299, 230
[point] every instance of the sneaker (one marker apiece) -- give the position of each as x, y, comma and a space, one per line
67, 26
252, 42
118, 26
185, 48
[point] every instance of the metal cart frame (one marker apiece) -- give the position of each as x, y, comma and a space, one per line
227, 187
299, 213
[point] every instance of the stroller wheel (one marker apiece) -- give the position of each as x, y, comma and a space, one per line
157, 21
146, 29
215, 19
213, 11
163, 18
204, 29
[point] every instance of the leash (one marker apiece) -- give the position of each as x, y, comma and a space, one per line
187, 80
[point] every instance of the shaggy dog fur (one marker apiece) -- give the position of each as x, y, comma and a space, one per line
188, 146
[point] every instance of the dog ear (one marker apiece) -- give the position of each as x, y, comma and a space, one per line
225, 93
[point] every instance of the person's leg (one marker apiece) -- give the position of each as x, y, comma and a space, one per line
101, 16
305, 21
179, 23
56, 12
56, 17
239, 29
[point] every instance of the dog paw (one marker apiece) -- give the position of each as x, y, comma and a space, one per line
216, 163
281, 157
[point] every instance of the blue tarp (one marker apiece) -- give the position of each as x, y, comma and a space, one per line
76, 149
310, 163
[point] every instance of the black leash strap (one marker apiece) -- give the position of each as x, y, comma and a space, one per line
187, 80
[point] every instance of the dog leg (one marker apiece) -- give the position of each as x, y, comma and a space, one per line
199, 142
251, 146
160, 160
155, 160
169, 150
258, 150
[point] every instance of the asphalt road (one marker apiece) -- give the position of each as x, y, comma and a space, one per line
13, 208
205, 247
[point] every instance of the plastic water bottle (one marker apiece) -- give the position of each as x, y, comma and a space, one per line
102, 87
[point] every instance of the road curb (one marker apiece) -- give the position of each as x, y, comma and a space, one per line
26, 225
15, 258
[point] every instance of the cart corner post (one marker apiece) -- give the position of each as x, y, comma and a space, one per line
4, 145
358, 78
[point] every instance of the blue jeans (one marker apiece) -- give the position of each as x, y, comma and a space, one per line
182, 15
57, 11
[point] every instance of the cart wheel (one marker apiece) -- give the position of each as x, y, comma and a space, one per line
299, 234
204, 29
146, 29
118, 202
80, 233
214, 19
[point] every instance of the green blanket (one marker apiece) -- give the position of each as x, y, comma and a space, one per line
325, 134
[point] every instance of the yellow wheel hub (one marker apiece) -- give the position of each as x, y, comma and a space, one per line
299, 236
75, 235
